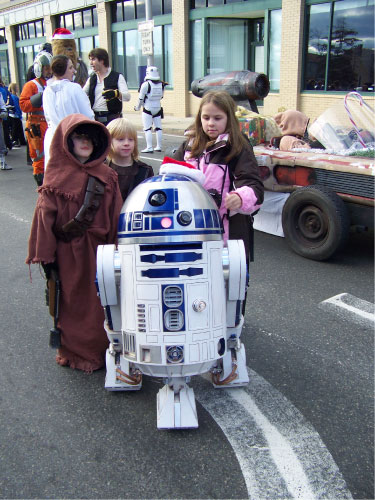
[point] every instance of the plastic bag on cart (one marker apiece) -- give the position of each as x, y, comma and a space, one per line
349, 123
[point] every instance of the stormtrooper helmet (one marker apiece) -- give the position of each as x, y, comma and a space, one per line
43, 58
152, 73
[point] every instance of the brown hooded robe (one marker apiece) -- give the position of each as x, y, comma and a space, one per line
83, 339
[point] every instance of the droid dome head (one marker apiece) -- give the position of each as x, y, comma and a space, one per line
152, 73
170, 207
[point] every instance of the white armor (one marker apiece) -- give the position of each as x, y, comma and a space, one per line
150, 95
172, 296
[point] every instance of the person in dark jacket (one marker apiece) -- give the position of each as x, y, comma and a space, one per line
123, 156
106, 88
217, 147
15, 117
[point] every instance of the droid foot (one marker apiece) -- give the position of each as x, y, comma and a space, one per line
234, 371
119, 376
176, 410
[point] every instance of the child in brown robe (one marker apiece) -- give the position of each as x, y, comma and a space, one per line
78, 150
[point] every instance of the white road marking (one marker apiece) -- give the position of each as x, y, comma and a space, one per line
279, 452
149, 157
351, 308
141, 136
14, 216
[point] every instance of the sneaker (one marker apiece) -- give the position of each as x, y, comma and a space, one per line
147, 150
5, 167
157, 149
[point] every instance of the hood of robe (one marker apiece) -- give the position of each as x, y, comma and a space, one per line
65, 173
292, 122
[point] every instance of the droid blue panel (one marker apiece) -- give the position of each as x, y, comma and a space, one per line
161, 201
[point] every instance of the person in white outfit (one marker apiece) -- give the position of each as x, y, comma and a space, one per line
62, 97
150, 95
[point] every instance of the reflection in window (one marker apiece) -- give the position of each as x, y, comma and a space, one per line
197, 70
38, 28
340, 55
168, 55
4, 66
77, 18
68, 20
25, 58
2, 36
227, 45
156, 7
141, 9
87, 18
134, 57
85, 45
274, 50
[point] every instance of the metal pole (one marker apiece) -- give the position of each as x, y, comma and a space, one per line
150, 59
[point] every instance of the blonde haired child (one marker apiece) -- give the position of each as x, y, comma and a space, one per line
123, 156
218, 148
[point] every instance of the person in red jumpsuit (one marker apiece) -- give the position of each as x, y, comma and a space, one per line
31, 102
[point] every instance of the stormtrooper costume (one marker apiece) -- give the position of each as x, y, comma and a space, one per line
150, 95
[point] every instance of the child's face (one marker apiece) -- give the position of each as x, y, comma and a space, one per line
123, 147
82, 147
214, 120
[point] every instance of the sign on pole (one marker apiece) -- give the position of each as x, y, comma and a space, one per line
146, 28
147, 45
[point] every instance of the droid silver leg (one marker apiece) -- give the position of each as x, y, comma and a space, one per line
176, 407
120, 376
231, 370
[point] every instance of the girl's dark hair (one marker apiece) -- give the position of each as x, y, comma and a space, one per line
237, 141
59, 64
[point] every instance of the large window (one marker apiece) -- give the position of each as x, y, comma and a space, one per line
127, 10
80, 19
29, 38
227, 45
34, 29
226, 49
128, 58
199, 4
339, 54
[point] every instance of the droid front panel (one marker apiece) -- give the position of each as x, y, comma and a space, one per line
173, 307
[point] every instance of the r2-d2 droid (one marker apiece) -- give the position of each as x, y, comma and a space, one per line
172, 296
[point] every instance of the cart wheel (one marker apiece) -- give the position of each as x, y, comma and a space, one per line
315, 222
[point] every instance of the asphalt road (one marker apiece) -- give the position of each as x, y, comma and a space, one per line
64, 436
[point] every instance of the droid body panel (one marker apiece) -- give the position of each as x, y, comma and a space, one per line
172, 295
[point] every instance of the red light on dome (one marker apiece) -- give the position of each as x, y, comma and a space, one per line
166, 222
